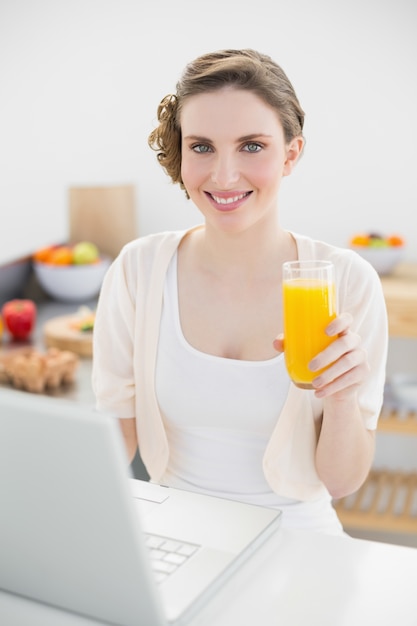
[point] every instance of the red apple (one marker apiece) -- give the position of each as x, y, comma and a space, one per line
19, 318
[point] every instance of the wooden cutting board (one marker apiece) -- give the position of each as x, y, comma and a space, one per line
59, 333
104, 215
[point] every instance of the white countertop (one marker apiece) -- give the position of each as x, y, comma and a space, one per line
320, 580
297, 579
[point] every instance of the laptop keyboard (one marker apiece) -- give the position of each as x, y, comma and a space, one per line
167, 555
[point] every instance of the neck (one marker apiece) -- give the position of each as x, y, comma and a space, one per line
258, 251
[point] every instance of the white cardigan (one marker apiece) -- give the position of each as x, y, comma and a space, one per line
126, 335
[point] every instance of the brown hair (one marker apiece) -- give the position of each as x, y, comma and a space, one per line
244, 69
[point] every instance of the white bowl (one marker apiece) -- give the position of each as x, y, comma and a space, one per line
384, 260
71, 283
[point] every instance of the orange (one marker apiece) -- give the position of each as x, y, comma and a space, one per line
395, 240
43, 254
62, 255
360, 240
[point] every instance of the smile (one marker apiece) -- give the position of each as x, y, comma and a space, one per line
230, 199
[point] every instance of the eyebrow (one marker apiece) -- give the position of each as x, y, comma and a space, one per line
250, 137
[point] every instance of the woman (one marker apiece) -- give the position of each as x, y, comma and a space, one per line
188, 346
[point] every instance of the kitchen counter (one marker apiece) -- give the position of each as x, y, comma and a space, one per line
79, 391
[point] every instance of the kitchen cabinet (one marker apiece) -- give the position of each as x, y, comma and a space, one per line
388, 499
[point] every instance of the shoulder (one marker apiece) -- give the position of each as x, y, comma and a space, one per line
144, 259
150, 244
356, 278
144, 251
309, 248
347, 262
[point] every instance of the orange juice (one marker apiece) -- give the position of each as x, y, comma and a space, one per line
309, 306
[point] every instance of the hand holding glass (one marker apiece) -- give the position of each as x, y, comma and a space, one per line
309, 305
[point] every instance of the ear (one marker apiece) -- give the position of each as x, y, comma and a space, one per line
293, 153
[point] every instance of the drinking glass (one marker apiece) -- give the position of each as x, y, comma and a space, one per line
309, 305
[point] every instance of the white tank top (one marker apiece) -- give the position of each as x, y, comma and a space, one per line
219, 415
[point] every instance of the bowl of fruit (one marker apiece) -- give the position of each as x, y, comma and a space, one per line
71, 272
382, 252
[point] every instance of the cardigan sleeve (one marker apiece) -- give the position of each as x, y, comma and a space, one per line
289, 459
113, 343
360, 293
126, 333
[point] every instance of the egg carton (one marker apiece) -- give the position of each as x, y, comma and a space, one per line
34, 371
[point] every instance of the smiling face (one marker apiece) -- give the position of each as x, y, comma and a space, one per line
234, 156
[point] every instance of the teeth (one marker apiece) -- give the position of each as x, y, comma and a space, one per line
228, 200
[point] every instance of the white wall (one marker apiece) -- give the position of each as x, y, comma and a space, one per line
80, 81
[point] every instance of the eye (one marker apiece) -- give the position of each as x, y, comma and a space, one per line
252, 147
201, 148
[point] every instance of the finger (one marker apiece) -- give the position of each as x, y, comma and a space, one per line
348, 372
278, 343
343, 345
346, 384
339, 325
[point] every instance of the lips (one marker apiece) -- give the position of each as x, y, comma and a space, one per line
228, 201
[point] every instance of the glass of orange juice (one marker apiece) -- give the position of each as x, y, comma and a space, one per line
309, 305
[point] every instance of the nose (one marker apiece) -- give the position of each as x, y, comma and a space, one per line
225, 171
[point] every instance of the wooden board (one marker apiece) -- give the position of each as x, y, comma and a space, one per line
58, 333
103, 215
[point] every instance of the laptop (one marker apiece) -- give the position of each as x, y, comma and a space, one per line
78, 532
